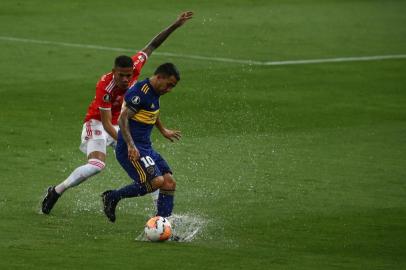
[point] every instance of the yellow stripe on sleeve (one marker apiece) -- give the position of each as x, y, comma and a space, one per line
145, 88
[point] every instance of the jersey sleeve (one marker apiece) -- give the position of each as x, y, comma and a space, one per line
133, 99
103, 98
139, 60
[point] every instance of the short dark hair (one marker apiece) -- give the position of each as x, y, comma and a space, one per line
168, 69
123, 61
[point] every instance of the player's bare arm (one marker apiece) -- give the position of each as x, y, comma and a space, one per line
107, 124
168, 133
160, 38
126, 113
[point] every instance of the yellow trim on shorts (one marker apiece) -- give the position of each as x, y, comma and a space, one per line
140, 171
149, 187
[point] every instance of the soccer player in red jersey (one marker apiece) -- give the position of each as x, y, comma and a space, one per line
100, 126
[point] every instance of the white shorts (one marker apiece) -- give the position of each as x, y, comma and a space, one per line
95, 138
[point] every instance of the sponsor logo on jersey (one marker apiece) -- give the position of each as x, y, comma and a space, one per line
106, 98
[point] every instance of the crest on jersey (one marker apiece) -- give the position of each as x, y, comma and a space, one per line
152, 106
136, 100
151, 170
106, 98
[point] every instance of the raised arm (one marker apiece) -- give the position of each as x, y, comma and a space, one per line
160, 38
127, 113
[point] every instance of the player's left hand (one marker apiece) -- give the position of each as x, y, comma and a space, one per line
171, 134
133, 153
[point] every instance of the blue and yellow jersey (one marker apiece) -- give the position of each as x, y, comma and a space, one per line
142, 99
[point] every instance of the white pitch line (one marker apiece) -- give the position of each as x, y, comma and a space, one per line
335, 60
216, 59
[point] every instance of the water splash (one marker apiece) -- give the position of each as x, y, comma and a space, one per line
185, 227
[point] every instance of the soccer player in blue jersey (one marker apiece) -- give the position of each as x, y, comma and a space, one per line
134, 151
100, 124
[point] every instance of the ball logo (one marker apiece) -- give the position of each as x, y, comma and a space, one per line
136, 100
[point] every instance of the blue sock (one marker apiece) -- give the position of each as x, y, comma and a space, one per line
165, 203
133, 190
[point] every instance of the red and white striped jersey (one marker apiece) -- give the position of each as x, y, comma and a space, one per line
108, 96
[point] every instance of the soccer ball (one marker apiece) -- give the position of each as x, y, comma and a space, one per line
158, 229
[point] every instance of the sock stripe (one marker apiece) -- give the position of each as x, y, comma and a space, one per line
96, 163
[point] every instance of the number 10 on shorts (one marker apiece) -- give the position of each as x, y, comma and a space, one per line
148, 161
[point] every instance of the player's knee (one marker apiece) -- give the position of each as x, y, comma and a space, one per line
169, 183
157, 182
96, 165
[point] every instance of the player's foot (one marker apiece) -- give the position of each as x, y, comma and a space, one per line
109, 206
50, 199
175, 238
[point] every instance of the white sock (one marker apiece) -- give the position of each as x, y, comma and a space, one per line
80, 174
154, 196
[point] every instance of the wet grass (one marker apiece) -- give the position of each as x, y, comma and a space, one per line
289, 167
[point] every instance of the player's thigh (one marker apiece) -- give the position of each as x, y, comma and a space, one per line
160, 162
143, 171
168, 181
93, 139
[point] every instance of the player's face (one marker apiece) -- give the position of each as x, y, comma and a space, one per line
166, 84
122, 76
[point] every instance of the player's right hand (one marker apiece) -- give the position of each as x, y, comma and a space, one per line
183, 17
133, 153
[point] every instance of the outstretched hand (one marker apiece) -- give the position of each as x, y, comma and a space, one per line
171, 134
183, 17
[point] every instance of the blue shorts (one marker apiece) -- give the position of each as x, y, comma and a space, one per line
147, 167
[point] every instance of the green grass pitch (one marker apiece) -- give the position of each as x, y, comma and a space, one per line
286, 167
